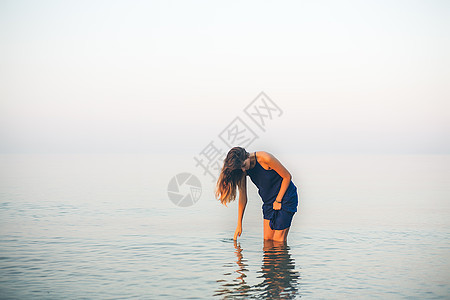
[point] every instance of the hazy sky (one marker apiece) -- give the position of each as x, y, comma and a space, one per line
169, 76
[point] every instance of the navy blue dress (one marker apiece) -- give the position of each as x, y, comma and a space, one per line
268, 183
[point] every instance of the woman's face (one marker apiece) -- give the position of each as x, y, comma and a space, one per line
246, 165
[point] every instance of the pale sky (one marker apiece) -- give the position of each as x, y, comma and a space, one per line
169, 76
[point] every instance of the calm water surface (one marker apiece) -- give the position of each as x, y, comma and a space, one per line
102, 227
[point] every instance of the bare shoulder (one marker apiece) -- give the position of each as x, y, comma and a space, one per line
271, 162
265, 159
264, 156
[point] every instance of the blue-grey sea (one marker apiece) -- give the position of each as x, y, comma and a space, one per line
102, 226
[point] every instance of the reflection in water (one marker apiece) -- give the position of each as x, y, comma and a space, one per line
280, 279
278, 271
239, 287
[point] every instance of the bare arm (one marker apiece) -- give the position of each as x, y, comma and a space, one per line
242, 204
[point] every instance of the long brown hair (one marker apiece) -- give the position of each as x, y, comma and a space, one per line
231, 175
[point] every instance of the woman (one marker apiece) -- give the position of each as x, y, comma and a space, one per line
273, 180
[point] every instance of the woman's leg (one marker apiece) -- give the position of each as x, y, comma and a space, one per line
276, 235
281, 235
268, 232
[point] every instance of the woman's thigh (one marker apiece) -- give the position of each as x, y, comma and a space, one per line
268, 232
276, 235
281, 235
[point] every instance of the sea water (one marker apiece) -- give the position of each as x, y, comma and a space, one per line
103, 227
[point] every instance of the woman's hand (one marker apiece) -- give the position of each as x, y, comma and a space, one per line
276, 205
237, 232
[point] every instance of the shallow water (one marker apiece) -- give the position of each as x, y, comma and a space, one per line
102, 227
